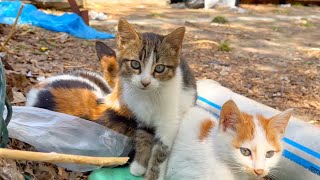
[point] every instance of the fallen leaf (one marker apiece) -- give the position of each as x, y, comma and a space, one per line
18, 97
44, 49
9, 170
62, 173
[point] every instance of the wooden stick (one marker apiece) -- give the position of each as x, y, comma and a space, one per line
12, 29
61, 158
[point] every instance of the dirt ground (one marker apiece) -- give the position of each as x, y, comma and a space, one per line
268, 53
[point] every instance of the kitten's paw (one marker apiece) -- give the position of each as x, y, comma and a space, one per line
137, 169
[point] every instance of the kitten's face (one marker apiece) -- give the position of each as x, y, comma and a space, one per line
147, 60
255, 140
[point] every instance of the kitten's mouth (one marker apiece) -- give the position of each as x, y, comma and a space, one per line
262, 176
144, 88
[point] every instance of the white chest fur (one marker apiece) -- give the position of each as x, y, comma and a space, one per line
192, 158
161, 105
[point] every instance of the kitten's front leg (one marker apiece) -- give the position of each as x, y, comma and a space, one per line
143, 144
161, 149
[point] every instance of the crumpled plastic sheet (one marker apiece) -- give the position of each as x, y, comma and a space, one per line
50, 131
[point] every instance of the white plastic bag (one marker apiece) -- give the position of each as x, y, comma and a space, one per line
210, 3
50, 131
226, 3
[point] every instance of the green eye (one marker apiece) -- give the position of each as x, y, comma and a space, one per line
245, 151
269, 154
159, 68
135, 64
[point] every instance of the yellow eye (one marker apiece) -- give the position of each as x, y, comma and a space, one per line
269, 154
135, 64
160, 68
245, 151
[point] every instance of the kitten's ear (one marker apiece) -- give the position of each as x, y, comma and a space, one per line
175, 38
126, 34
108, 60
280, 122
104, 50
230, 116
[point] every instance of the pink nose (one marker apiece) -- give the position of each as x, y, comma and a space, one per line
259, 171
145, 83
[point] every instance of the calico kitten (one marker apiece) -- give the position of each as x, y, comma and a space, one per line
61, 93
241, 147
158, 87
83, 94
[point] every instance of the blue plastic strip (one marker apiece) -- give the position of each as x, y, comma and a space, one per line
214, 114
297, 159
302, 148
302, 162
209, 102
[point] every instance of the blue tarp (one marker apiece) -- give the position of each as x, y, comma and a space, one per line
69, 22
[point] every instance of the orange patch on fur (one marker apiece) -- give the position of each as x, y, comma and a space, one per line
110, 69
68, 101
115, 103
245, 130
271, 133
205, 128
241, 123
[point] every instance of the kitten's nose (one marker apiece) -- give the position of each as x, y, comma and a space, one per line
259, 171
145, 83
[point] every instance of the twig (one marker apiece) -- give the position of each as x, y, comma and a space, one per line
12, 29
61, 158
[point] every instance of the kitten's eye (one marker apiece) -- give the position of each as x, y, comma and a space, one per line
245, 151
269, 154
135, 64
159, 68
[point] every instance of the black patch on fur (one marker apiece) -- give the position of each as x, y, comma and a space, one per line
150, 130
151, 42
92, 76
118, 123
131, 155
69, 84
189, 81
45, 100
104, 50
188, 77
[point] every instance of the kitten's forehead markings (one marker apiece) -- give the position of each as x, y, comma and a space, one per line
261, 144
146, 73
143, 54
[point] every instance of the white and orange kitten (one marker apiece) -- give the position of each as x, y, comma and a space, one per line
242, 146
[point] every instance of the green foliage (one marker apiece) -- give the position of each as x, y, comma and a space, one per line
220, 20
306, 23
297, 4
275, 28
225, 46
155, 15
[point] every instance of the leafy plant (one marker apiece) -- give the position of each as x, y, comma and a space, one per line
224, 46
220, 20
306, 23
